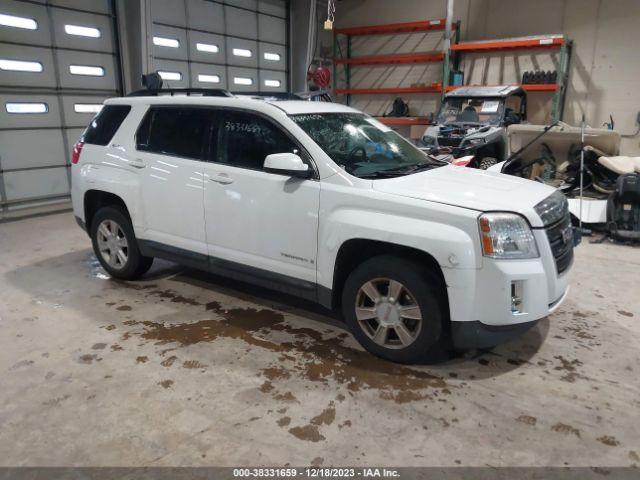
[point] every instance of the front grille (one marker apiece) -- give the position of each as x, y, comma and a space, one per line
560, 236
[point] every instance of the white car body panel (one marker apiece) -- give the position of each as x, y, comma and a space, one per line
263, 220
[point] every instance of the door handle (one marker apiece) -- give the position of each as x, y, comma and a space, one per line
222, 178
137, 163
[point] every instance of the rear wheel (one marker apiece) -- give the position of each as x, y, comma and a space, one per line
115, 244
395, 309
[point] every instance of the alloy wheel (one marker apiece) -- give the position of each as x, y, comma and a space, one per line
388, 313
112, 244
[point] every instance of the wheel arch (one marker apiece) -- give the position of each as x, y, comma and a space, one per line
357, 250
94, 200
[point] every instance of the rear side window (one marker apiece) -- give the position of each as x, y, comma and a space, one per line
104, 126
179, 131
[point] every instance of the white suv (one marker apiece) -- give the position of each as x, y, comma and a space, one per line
323, 202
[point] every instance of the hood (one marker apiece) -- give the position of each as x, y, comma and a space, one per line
470, 188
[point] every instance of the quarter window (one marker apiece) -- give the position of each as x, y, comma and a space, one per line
179, 131
104, 126
247, 139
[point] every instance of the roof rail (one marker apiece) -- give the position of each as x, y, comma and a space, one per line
276, 95
204, 92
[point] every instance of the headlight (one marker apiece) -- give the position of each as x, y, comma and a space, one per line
506, 235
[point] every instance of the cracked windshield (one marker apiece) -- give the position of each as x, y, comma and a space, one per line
363, 146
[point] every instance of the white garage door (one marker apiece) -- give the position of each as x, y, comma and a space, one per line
58, 62
239, 45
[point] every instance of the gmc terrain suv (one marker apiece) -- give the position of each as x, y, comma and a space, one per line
324, 202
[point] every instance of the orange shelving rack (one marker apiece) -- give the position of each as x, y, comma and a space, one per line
536, 42
346, 61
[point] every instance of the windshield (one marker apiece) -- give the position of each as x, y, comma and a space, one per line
361, 145
485, 111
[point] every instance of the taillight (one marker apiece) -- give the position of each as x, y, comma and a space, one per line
75, 155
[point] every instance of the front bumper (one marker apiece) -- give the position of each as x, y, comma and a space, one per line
480, 300
475, 334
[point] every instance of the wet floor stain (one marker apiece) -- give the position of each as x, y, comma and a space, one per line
527, 419
169, 361
309, 354
98, 346
346, 423
20, 364
307, 433
54, 402
570, 367
625, 313
565, 429
316, 462
88, 359
326, 417
166, 383
124, 308
608, 440
193, 364
284, 421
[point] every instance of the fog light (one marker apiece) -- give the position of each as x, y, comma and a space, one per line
516, 297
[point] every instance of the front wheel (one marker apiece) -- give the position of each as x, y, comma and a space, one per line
395, 309
487, 162
115, 244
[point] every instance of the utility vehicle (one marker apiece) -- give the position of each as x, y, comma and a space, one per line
472, 121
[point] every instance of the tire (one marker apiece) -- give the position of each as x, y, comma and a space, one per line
487, 162
116, 222
420, 288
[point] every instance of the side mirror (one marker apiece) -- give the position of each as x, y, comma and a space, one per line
287, 164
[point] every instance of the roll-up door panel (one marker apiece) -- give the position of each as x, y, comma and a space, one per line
33, 55
204, 75
272, 81
273, 7
249, 4
36, 183
241, 22
202, 46
206, 15
68, 61
272, 57
164, 43
98, 6
237, 80
237, 48
40, 36
80, 109
66, 21
173, 67
170, 12
272, 29
31, 148
21, 103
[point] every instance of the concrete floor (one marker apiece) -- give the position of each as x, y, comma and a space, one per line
183, 368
